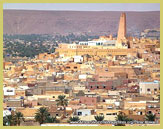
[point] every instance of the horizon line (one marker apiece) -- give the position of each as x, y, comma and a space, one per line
87, 10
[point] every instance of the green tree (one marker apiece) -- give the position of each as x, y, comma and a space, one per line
74, 118
51, 120
122, 117
5, 121
41, 115
18, 118
9, 120
99, 118
62, 101
150, 117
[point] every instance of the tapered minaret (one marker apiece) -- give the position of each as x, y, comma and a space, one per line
122, 27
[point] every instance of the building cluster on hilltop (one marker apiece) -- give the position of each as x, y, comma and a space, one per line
105, 76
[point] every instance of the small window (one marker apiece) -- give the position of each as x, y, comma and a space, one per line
148, 89
140, 113
97, 87
9, 90
149, 112
79, 113
155, 89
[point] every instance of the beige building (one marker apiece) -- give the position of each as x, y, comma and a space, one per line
149, 87
132, 105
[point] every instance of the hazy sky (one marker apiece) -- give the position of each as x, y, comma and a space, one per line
85, 6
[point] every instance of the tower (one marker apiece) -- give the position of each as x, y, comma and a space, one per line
122, 27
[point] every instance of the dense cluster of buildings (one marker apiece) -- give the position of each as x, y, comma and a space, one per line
151, 33
104, 76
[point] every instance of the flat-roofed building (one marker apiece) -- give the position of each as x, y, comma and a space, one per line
149, 87
8, 91
132, 105
14, 103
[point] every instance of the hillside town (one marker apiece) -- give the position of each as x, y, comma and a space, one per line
96, 82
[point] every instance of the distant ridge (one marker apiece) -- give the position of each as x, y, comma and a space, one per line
77, 22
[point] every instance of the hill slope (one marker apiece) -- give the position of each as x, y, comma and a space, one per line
77, 22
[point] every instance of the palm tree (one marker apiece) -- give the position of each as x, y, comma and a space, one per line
99, 117
150, 117
122, 117
18, 118
62, 101
74, 118
5, 121
51, 120
42, 115
9, 120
